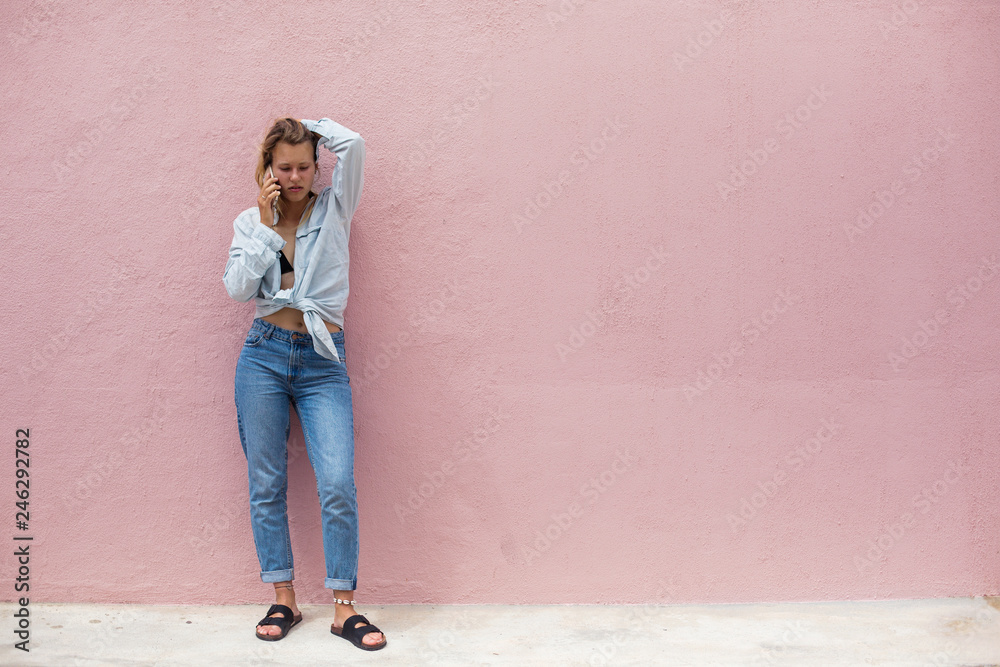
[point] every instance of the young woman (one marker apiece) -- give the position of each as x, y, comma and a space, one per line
294, 264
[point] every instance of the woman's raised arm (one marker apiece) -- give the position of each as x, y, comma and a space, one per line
348, 174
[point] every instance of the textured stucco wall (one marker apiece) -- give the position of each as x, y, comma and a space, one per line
618, 329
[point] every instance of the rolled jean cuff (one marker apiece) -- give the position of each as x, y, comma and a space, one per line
275, 576
340, 584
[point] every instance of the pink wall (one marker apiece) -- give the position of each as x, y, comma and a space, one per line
683, 375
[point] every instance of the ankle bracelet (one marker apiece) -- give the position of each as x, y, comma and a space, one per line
334, 599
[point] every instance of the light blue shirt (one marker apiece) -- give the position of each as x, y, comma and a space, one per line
321, 260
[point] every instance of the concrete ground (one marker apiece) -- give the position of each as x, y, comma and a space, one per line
945, 631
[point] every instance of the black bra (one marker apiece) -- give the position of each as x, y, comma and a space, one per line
286, 267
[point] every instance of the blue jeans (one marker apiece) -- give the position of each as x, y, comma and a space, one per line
278, 367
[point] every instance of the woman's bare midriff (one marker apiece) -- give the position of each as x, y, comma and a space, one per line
291, 318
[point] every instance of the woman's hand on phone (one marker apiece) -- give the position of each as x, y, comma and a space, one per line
269, 193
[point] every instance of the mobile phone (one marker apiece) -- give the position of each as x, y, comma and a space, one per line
274, 204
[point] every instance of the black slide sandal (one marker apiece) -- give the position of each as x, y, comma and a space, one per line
285, 623
352, 633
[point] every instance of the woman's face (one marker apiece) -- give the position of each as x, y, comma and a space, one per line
295, 169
